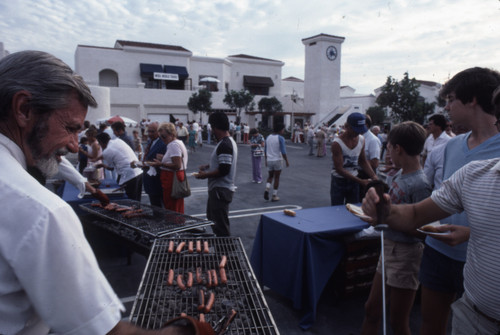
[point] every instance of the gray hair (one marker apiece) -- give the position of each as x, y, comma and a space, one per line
50, 81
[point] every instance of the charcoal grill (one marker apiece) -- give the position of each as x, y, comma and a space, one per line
157, 302
156, 222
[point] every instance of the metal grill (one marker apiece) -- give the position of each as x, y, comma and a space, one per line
157, 302
155, 221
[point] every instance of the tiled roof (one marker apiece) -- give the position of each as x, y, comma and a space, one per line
294, 79
151, 45
252, 57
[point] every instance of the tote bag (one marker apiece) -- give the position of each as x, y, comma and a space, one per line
180, 189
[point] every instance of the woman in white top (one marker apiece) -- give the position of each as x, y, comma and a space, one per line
173, 162
94, 153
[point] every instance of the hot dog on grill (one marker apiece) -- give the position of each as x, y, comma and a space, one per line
210, 303
198, 246
209, 278
180, 247
190, 247
223, 262
199, 279
201, 300
170, 278
215, 281
180, 282
223, 276
171, 247
189, 282
206, 249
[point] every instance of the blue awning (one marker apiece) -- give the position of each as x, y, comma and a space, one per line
149, 69
179, 70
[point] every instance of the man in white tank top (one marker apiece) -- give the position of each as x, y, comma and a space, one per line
349, 154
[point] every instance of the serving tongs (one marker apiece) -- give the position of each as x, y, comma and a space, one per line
223, 324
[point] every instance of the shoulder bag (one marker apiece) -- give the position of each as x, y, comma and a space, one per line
180, 189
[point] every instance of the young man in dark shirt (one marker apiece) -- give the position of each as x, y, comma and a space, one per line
221, 173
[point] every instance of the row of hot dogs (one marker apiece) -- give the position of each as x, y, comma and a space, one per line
211, 278
190, 247
126, 211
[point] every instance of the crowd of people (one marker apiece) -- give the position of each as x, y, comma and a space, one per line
431, 175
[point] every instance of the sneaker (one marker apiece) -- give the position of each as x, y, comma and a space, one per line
259, 182
266, 194
275, 198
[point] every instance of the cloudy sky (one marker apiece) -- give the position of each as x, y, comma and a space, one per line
431, 39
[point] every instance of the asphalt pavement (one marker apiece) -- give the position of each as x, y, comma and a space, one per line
304, 184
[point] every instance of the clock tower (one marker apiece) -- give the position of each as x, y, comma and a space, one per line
322, 74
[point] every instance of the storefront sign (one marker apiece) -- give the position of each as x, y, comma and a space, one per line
165, 76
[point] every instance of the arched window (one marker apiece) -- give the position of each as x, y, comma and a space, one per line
108, 78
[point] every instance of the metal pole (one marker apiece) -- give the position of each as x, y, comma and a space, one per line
381, 228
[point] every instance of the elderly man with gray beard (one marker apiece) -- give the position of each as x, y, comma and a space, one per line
49, 276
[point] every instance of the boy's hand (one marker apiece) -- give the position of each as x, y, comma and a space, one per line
369, 205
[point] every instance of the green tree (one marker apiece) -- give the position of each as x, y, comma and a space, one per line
377, 114
239, 100
403, 100
200, 101
269, 107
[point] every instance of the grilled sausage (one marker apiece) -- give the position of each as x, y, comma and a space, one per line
206, 249
201, 300
223, 262
189, 282
202, 317
180, 247
198, 246
209, 278
190, 247
199, 279
170, 278
210, 303
180, 282
230, 319
215, 281
223, 276
171, 247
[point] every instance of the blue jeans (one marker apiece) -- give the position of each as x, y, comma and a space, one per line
343, 191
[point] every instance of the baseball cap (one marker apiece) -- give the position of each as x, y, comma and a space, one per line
357, 122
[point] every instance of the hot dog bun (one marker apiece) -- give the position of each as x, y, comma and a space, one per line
356, 210
289, 212
429, 228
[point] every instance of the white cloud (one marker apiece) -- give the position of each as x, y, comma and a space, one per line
431, 39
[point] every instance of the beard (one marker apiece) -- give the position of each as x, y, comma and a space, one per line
47, 164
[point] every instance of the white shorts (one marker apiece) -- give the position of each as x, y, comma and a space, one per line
274, 165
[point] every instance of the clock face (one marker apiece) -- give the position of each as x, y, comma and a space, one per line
331, 52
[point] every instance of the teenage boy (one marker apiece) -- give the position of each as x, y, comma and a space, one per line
402, 251
469, 105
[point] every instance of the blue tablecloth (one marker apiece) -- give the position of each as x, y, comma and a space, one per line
296, 256
70, 194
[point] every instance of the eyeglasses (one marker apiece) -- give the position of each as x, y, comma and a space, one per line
164, 136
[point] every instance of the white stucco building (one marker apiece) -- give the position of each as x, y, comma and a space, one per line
155, 81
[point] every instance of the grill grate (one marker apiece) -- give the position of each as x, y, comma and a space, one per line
157, 302
156, 222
